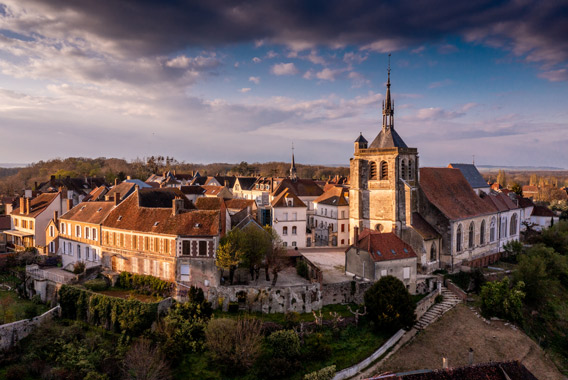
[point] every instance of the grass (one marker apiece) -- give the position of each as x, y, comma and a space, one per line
13, 308
129, 293
280, 318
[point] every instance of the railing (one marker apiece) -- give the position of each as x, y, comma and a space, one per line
40, 274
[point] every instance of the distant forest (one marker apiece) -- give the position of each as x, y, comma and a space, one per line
16, 179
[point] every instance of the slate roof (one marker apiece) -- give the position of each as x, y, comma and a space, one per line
193, 189
334, 196
162, 197
246, 183
388, 138
384, 246
160, 220
542, 211
361, 139
423, 227
488, 371
280, 200
79, 185
124, 189
449, 191
300, 187
37, 204
89, 212
471, 174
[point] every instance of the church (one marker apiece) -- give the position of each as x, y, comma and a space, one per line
434, 210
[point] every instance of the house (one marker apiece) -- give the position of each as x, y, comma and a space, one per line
260, 191
240, 209
473, 177
289, 219
374, 255
76, 188
217, 191
331, 218
193, 192
80, 231
30, 220
216, 204
5, 225
531, 192
542, 217
159, 232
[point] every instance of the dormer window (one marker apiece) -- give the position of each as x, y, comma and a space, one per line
393, 252
100, 209
156, 224
197, 225
119, 218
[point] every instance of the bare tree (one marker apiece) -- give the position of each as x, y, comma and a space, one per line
357, 313
143, 362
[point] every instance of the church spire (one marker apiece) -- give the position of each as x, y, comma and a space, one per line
293, 176
388, 104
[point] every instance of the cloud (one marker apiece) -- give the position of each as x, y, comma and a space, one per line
435, 113
314, 58
443, 83
447, 49
328, 74
352, 57
555, 75
284, 69
255, 80
256, 60
385, 45
244, 90
418, 50
271, 54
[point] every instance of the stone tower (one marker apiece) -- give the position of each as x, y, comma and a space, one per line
384, 178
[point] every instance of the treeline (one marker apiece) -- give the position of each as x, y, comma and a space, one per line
535, 178
15, 179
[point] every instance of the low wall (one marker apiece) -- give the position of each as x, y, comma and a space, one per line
456, 290
12, 333
354, 370
426, 303
270, 299
164, 305
344, 292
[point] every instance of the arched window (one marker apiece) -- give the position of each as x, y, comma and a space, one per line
459, 239
384, 170
503, 229
513, 225
284, 230
410, 169
294, 230
433, 252
403, 169
482, 233
471, 235
492, 230
373, 171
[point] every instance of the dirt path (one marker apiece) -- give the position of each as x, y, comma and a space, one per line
453, 335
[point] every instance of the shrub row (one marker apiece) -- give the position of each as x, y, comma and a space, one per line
111, 313
145, 284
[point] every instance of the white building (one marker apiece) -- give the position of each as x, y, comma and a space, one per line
289, 219
331, 218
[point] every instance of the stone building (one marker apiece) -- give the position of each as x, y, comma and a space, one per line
331, 218
289, 219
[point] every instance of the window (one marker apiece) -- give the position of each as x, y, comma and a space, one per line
284, 230
146, 266
503, 230
482, 233
184, 272
134, 265
78, 231
373, 171
122, 240
403, 169
471, 235
410, 169
166, 246
87, 254
155, 268
186, 247
51, 231
146, 243
202, 248
15, 222
343, 214
294, 216
459, 239
342, 241
87, 230
492, 230
94, 234
24, 224
293, 244
156, 245
165, 270
31, 224
406, 273
294, 230
325, 211
134, 241
114, 240
69, 230
78, 252
342, 229
383, 272
433, 253
95, 255
384, 170
52, 247
513, 225
284, 244
61, 227
285, 216
69, 249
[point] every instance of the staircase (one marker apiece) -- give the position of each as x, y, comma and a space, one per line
438, 309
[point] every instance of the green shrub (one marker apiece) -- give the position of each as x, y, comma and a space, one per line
79, 267
96, 285
498, 299
317, 346
291, 319
302, 269
326, 373
284, 344
37, 299
30, 311
145, 284
389, 305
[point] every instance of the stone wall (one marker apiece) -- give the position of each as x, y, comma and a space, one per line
426, 303
270, 299
12, 333
456, 290
344, 292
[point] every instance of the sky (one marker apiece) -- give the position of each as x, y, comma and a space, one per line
231, 81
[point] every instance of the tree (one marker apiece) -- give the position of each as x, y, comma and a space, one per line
256, 243
143, 362
229, 254
274, 255
389, 305
513, 247
501, 300
502, 178
517, 189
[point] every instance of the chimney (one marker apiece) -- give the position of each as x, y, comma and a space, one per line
470, 356
55, 215
355, 235
28, 206
22, 205
69, 203
136, 187
444, 362
116, 199
115, 181
177, 206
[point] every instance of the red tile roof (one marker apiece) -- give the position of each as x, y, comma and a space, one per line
89, 212
449, 191
38, 204
239, 204
499, 201
525, 202
280, 200
211, 203
300, 187
334, 196
542, 211
384, 246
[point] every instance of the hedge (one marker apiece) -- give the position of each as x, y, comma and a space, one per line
111, 313
145, 284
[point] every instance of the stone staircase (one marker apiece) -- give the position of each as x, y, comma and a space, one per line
438, 309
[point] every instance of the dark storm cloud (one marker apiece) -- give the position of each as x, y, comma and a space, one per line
162, 27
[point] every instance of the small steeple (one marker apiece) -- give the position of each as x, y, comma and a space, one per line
293, 175
388, 104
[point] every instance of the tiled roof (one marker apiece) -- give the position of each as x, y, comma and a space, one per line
488, 371
499, 201
530, 189
334, 196
300, 187
239, 204
124, 189
98, 193
471, 174
212, 190
79, 185
209, 203
89, 212
384, 246
423, 227
449, 191
542, 211
128, 215
38, 204
280, 200
525, 202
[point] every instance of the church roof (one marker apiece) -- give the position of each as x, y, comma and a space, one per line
471, 174
361, 139
388, 138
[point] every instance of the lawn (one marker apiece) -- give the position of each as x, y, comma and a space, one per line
342, 310
129, 293
13, 308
